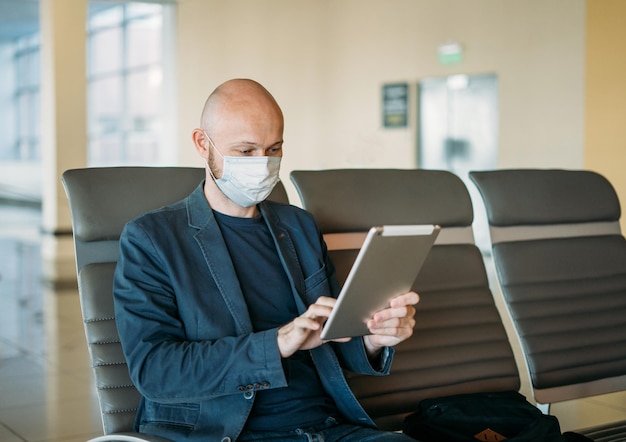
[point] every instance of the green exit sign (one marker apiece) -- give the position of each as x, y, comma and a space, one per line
450, 53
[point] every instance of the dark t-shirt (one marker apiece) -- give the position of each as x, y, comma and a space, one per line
271, 304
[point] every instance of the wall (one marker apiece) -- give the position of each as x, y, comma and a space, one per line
276, 42
326, 60
605, 93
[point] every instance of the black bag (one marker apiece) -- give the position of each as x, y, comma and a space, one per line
504, 416
570, 436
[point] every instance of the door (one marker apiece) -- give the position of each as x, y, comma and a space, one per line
458, 131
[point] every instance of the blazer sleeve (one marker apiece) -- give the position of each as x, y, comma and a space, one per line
165, 364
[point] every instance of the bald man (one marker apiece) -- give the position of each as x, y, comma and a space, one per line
220, 300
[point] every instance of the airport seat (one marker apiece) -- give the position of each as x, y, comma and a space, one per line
102, 201
560, 261
459, 344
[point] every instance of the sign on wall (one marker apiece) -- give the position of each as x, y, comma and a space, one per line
395, 105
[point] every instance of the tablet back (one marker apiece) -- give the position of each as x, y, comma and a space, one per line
386, 266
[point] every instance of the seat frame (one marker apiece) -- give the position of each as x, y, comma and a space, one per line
451, 352
102, 200
528, 207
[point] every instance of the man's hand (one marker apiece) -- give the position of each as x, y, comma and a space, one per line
303, 333
392, 325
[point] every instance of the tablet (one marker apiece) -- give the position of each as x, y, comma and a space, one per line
386, 266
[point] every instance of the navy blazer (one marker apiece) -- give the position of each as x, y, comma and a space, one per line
186, 330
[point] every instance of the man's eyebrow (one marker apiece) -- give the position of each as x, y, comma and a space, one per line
253, 144
235, 144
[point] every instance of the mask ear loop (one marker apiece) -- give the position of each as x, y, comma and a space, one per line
212, 144
206, 161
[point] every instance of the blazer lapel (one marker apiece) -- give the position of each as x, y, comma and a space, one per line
215, 252
288, 257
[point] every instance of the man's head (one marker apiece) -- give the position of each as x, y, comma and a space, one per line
240, 119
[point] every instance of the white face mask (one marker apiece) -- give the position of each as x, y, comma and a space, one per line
246, 181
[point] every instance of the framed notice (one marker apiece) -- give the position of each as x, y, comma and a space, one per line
395, 105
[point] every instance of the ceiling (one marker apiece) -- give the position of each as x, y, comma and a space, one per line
18, 17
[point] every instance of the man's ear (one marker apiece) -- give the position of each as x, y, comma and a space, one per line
200, 142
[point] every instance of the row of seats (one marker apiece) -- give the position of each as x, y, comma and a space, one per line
559, 254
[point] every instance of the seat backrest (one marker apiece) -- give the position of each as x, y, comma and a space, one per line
102, 201
459, 344
561, 264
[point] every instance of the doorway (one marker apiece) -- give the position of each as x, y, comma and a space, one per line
458, 132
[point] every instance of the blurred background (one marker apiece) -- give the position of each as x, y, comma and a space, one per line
444, 84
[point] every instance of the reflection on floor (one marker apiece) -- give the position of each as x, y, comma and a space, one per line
46, 388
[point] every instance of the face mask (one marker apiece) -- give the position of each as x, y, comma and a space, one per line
246, 181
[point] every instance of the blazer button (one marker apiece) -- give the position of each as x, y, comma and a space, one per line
249, 394
226, 439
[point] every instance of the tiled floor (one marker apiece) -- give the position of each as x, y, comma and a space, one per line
46, 389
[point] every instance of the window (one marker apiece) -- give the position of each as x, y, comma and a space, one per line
125, 93
22, 144
125, 74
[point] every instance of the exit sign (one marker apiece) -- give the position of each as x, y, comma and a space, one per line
450, 53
